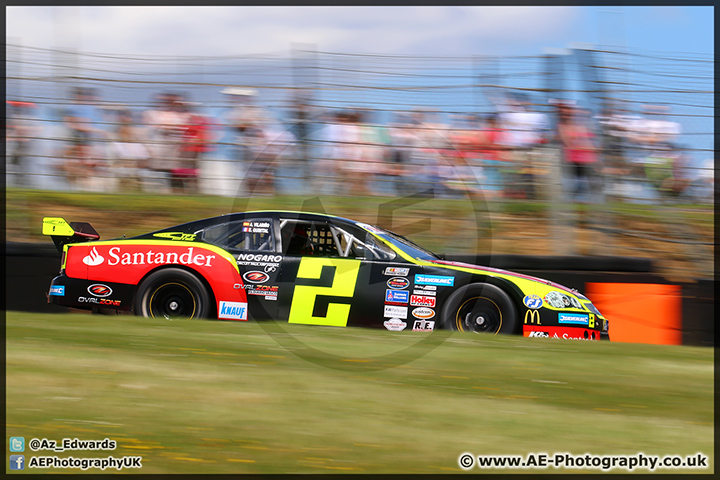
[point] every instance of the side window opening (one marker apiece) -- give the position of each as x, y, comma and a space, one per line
308, 239
250, 235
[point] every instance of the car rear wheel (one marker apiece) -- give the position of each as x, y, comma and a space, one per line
480, 308
172, 293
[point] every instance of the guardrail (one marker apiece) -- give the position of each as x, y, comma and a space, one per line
642, 306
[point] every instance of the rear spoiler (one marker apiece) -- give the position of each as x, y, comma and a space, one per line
63, 232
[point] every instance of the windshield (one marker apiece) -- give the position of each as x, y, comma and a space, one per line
408, 246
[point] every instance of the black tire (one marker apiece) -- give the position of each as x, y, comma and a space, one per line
480, 308
172, 293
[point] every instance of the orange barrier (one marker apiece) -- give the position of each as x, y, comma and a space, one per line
640, 312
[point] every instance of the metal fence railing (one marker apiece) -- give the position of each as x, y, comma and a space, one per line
313, 122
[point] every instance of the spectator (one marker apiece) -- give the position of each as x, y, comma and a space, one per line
281, 149
653, 136
403, 143
427, 158
374, 140
245, 119
22, 129
616, 170
579, 150
493, 155
130, 153
164, 124
465, 173
196, 142
327, 166
524, 131
353, 169
84, 165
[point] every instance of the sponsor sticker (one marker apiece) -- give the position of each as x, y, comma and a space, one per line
93, 259
427, 288
58, 290
256, 227
267, 290
256, 277
263, 290
537, 334
392, 311
100, 301
398, 283
532, 301
423, 313
532, 316
574, 318
396, 271
396, 296
424, 292
395, 325
232, 310
183, 237
99, 290
422, 301
119, 257
423, 326
369, 228
270, 262
434, 280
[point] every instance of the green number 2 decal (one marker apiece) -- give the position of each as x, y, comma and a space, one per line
343, 285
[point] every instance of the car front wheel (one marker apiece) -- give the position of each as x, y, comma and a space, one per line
172, 293
481, 308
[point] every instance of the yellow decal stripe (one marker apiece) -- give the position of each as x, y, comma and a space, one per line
343, 285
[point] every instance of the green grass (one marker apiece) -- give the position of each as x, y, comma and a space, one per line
234, 397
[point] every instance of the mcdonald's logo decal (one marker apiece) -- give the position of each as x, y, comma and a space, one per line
534, 316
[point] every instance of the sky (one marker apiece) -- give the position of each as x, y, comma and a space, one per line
454, 30
442, 31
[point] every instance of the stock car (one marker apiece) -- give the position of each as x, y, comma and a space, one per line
306, 268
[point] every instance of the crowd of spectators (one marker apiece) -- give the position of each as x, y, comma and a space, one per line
518, 152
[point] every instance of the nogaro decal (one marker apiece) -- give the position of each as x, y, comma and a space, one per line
256, 277
99, 290
434, 280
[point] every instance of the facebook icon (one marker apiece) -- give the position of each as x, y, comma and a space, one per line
17, 462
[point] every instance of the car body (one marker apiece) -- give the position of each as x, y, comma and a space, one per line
306, 268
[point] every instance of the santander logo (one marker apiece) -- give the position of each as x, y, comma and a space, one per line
94, 258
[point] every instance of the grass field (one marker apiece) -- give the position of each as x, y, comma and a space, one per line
233, 397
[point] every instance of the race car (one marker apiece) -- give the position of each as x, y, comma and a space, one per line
306, 268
